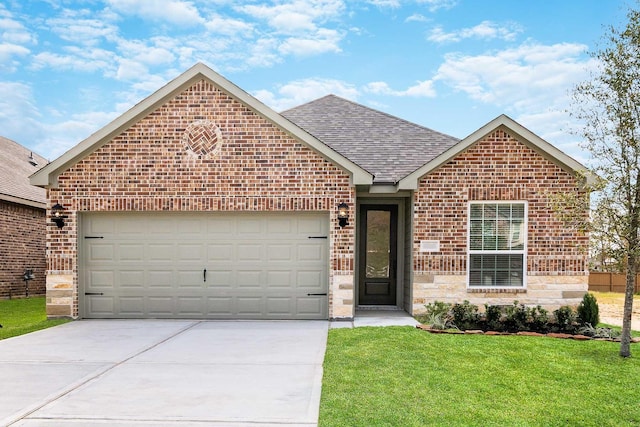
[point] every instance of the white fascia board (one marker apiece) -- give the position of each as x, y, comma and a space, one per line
21, 201
410, 182
47, 176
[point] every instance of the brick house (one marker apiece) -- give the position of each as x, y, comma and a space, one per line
22, 230
202, 202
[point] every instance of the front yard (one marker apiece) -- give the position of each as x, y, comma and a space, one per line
24, 315
401, 376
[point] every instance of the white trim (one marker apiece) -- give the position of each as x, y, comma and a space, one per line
522, 251
21, 201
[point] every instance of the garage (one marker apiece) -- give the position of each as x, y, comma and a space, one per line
213, 265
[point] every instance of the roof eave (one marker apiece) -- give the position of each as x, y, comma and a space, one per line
21, 201
48, 175
410, 182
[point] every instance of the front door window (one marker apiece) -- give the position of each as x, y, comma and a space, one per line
378, 255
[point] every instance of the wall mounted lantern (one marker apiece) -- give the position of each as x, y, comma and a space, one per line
343, 214
57, 215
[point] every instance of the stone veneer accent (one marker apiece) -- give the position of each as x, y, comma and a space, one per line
22, 246
255, 167
498, 167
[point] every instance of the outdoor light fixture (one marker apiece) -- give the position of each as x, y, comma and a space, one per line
343, 214
57, 215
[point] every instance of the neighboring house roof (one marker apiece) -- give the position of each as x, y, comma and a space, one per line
524, 135
48, 175
387, 146
17, 164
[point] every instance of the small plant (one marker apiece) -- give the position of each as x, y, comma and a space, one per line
493, 317
565, 318
594, 332
588, 311
438, 315
465, 315
516, 317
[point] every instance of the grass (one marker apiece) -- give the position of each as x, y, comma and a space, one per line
400, 376
24, 315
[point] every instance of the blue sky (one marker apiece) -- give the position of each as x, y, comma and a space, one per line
67, 68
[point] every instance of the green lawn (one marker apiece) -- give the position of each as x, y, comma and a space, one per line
401, 376
24, 315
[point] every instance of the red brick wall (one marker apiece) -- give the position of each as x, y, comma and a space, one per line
22, 246
498, 167
256, 167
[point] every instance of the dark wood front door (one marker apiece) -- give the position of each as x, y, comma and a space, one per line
378, 255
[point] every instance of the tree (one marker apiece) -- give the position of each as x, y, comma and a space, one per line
609, 107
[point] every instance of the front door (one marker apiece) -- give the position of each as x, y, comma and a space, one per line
378, 254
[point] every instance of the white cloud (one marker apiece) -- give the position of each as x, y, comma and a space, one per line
301, 91
486, 30
296, 16
74, 27
228, 26
7, 53
19, 116
76, 59
423, 89
323, 41
177, 12
385, 3
416, 17
435, 5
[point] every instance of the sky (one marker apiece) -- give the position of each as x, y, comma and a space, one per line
68, 68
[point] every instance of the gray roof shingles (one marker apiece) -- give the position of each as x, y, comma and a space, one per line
15, 170
388, 147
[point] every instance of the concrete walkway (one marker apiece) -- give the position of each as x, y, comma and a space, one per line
164, 373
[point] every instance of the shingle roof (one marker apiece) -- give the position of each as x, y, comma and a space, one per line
15, 169
386, 146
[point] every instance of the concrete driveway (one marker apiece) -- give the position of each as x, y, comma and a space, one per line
164, 373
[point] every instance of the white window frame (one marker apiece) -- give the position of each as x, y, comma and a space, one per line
522, 251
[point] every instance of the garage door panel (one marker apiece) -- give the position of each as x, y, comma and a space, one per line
259, 266
249, 252
131, 306
279, 279
101, 304
311, 252
131, 279
130, 252
101, 252
310, 279
161, 279
101, 279
160, 252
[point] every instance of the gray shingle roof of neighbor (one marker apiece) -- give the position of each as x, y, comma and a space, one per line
388, 147
16, 165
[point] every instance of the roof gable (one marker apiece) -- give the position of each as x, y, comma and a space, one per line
410, 182
388, 147
18, 163
48, 175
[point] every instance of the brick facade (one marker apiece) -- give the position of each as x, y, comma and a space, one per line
22, 246
160, 163
498, 167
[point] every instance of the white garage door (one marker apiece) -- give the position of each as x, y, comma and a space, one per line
205, 265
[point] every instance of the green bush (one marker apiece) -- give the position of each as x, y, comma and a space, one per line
465, 315
438, 315
565, 318
493, 318
588, 311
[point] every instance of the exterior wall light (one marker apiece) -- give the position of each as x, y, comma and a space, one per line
57, 215
343, 214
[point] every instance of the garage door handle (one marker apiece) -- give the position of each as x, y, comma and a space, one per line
204, 274
317, 237
317, 295
93, 293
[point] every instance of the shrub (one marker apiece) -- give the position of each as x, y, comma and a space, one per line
438, 315
465, 315
493, 317
588, 311
565, 318
593, 332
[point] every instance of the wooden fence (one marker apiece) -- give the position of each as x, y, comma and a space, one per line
609, 282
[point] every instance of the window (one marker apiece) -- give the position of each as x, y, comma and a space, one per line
497, 244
